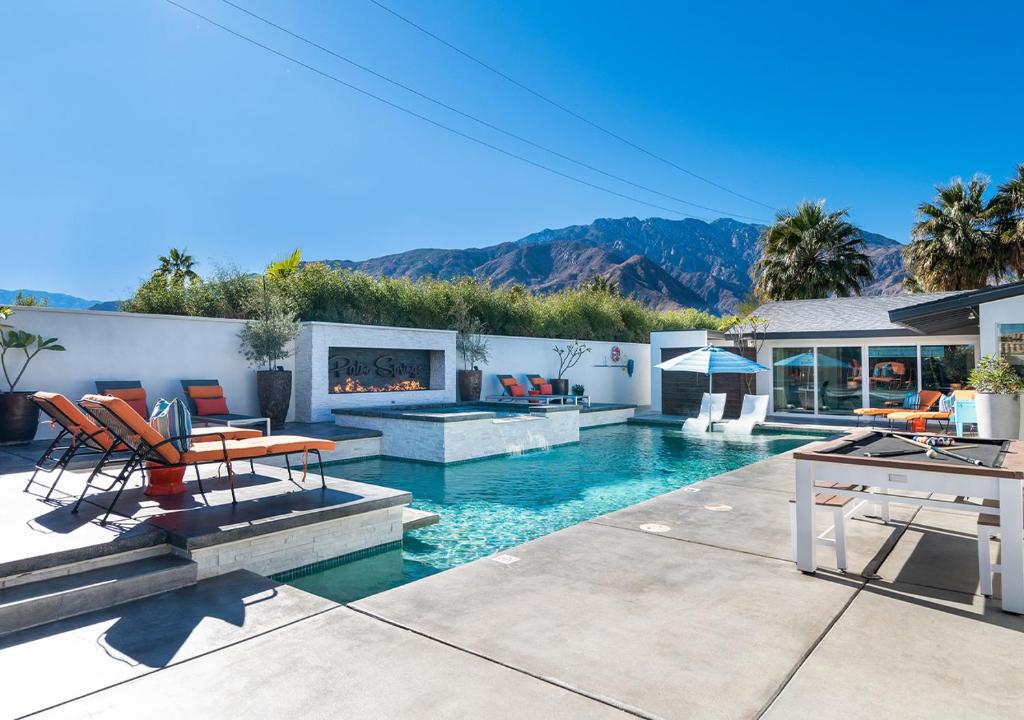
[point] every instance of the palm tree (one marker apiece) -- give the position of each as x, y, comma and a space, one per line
176, 266
284, 269
1008, 206
602, 284
954, 246
811, 253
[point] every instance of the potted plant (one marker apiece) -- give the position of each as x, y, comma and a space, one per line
264, 341
568, 357
997, 397
471, 347
578, 390
19, 416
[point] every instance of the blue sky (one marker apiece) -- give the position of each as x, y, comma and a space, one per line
128, 126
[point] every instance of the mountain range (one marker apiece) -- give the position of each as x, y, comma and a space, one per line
664, 263
56, 299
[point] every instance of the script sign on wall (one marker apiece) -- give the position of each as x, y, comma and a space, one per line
352, 370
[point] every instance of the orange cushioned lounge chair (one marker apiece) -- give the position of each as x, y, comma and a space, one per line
925, 400
511, 386
923, 416
80, 435
540, 384
149, 448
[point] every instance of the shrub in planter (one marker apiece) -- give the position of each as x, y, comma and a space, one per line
579, 390
264, 341
19, 416
568, 357
997, 387
472, 347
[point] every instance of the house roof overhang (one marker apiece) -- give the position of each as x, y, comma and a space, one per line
955, 315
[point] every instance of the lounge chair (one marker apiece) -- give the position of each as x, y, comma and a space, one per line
150, 449
510, 386
754, 412
917, 418
712, 408
912, 401
540, 384
131, 391
206, 402
80, 436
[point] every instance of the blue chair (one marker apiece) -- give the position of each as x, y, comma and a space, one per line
964, 412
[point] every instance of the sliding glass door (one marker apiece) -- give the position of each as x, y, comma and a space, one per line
946, 367
793, 379
892, 373
840, 380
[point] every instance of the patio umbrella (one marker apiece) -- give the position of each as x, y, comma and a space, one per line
807, 360
710, 361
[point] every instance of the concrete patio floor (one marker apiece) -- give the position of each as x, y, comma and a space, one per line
707, 619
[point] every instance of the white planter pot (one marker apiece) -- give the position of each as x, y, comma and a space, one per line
998, 416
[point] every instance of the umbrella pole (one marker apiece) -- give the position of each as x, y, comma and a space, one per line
710, 404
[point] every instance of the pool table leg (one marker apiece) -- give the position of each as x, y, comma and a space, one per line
1011, 547
806, 560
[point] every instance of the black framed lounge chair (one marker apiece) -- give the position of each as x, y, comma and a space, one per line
150, 449
80, 437
130, 391
206, 402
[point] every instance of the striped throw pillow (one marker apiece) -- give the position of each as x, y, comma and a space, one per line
172, 419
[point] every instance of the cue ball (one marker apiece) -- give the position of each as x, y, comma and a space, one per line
931, 453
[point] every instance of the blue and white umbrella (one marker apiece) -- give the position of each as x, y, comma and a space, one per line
710, 361
806, 360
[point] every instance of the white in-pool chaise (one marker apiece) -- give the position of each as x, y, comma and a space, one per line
753, 413
712, 408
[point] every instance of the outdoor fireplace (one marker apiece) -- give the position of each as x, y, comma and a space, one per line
381, 370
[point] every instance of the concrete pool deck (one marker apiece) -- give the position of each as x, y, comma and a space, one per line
707, 619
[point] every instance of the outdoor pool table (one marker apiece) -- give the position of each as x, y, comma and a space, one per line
993, 469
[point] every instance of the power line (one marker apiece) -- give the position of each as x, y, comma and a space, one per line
426, 119
483, 122
567, 110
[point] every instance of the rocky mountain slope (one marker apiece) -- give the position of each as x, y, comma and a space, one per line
664, 263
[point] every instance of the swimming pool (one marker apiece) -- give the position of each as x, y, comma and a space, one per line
492, 504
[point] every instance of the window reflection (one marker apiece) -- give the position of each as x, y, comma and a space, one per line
793, 375
892, 373
946, 367
840, 379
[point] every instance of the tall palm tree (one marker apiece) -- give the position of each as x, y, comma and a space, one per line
954, 246
811, 253
1008, 206
177, 266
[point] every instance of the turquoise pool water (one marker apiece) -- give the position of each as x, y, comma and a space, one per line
489, 505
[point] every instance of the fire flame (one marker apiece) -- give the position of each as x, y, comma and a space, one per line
354, 386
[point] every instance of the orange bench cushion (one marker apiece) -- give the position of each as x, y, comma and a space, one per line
211, 406
277, 444
230, 433
875, 411
214, 450
205, 391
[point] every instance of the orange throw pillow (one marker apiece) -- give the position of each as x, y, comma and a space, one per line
205, 391
517, 390
135, 397
545, 389
211, 406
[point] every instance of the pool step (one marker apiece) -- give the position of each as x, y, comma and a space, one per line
63, 596
413, 519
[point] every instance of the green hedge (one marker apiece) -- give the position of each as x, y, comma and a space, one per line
319, 292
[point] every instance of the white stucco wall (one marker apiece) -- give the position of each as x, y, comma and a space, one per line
993, 314
159, 350
521, 355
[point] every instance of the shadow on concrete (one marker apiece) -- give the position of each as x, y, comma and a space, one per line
152, 631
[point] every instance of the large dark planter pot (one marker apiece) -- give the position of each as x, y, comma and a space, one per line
470, 382
274, 388
19, 418
560, 386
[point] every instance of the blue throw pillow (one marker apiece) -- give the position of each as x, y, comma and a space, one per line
173, 420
